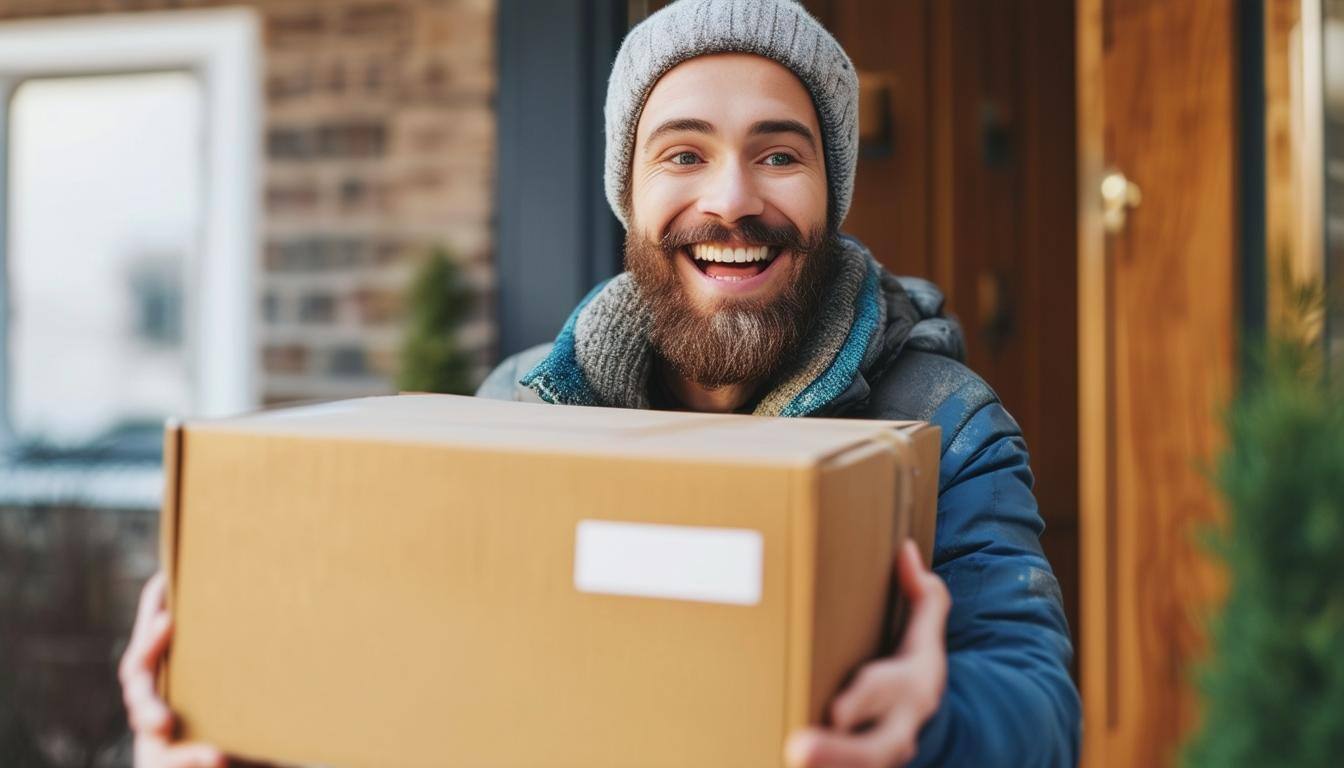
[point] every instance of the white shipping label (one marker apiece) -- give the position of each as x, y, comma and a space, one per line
715, 565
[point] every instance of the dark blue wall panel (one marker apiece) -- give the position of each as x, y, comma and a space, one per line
555, 236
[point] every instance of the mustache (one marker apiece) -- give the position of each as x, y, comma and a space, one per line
750, 231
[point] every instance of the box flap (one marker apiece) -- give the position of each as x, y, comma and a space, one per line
490, 424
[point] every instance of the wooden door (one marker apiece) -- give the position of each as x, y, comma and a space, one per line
1156, 97
967, 177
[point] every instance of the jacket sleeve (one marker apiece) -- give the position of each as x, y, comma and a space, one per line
1009, 699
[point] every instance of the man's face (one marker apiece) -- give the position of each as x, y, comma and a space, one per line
728, 235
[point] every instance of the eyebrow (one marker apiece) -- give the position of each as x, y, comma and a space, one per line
765, 127
679, 124
759, 128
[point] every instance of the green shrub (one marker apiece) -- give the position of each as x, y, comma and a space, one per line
432, 359
1273, 688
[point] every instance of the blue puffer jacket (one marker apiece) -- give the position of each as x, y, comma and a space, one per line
1009, 700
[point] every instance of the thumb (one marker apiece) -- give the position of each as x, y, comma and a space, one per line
929, 601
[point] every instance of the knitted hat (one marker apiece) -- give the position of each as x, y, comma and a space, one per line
780, 30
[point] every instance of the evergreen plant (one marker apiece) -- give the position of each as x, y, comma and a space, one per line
432, 358
1273, 687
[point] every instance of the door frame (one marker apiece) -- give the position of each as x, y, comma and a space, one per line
1096, 481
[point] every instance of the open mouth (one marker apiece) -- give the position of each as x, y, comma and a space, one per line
731, 264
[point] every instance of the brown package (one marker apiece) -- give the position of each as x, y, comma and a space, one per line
429, 580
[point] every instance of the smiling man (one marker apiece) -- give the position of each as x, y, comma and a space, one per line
731, 150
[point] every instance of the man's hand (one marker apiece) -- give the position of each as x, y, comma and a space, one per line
875, 722
148, 714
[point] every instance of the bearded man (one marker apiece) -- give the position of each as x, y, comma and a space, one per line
732, 133
732, 140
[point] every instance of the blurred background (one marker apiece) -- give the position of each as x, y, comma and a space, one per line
208, 207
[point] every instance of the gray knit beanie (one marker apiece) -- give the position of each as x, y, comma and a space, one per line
776, 29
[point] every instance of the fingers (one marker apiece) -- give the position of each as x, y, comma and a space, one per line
144, 709
929, 603
870, 695
892, 744
145, 712
898, 694
151, 600
146, 625
144, 652
813, 748
149, 716
897, 738
193, 756
155, 752
139, 664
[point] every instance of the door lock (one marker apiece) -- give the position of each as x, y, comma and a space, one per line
1118, 196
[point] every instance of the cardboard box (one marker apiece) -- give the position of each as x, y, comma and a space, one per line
427, 580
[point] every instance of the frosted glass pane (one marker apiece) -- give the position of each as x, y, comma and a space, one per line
105, 202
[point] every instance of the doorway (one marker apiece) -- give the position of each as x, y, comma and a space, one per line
968, 177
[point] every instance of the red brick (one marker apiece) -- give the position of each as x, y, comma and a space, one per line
288, 85
292, 197
284, 358
387, 21
377, 306
298, 26
350, 139
384, 361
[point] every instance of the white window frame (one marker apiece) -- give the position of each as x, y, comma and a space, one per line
222, 47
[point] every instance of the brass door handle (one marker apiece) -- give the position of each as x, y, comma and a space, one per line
1118, 196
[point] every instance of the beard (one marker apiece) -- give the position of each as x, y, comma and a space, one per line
737, 340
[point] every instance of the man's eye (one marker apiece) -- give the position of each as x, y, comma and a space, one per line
685, 158
779, 158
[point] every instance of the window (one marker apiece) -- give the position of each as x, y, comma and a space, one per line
104, 196
128, 207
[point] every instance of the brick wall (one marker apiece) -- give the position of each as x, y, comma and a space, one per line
379, 144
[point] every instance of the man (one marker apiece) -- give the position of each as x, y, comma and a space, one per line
731, 148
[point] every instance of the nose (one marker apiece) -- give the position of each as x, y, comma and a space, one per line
730, 194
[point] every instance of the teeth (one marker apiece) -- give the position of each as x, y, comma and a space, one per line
707, 252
